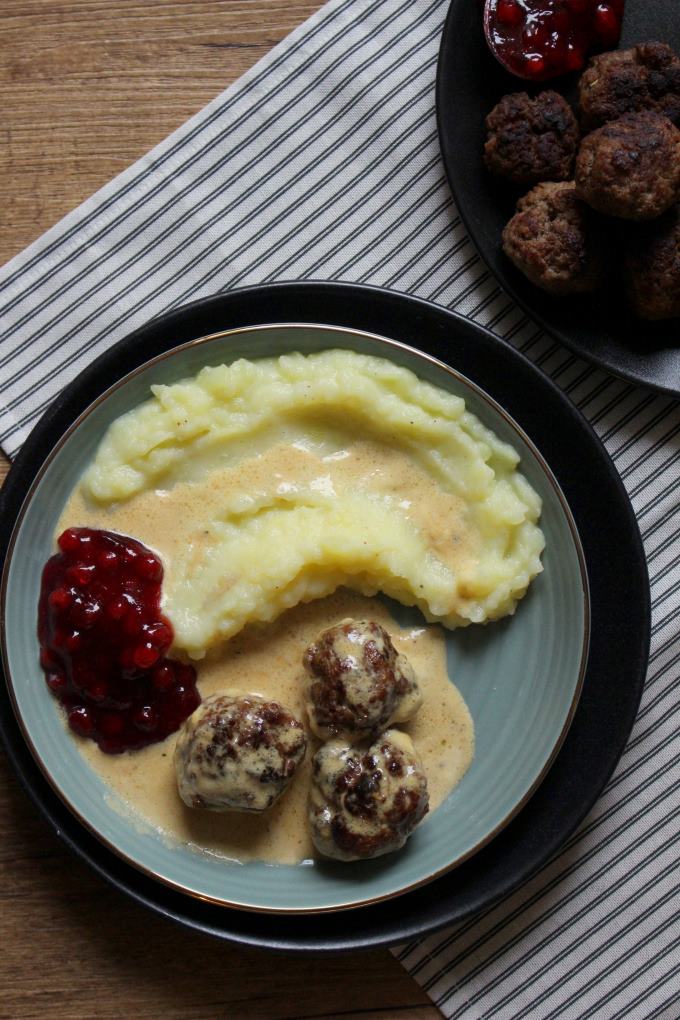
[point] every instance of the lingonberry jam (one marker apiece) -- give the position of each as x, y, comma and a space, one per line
103, 641
540, 39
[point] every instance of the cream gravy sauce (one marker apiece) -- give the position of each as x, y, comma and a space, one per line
266, 659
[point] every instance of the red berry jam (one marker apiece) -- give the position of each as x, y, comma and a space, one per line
540, 39
103, 641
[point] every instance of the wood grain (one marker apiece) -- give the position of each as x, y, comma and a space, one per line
85, 89
89, 87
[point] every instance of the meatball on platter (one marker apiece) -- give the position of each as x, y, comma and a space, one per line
590, 282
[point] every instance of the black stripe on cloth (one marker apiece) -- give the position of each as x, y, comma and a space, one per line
398, 198
583, 961
657, 676
440, 262
656, 499
666, 692
660, 649
419, 255
668, 592
589, 828
625, 392
534, 339
609, 433
664, 519
453, 277
623, 982
176, 196
346, 217
484, 303
149, 171
149, 296
656, 473
556, 1010
464, 267
669, 618
510, 335
571, 869
601, 387
344, 269
663, 717
663, 1007
632, 438
553, 884
579, 380
568, 363
545, 355
649, 452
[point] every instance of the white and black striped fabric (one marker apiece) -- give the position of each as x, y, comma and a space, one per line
323, 162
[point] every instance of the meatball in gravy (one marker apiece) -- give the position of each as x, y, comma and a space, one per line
531, 140
653, 267
630, 168
357, 682
552, 241
646, 77
237, 753
366, 803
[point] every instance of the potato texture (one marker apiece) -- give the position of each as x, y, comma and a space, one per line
448, 525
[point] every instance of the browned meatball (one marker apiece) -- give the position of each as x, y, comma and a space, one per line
552, 240
646, 77
653, 267
237, 753
531, 140
630, 168
357, 683
366, 803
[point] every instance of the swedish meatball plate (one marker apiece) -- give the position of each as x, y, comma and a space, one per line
470, 81
539, 760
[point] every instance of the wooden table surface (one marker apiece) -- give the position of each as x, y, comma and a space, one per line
87, 87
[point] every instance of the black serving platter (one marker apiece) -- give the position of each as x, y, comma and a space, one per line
470, 81
619, 627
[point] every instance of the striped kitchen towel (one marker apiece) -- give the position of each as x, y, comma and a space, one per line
323, 162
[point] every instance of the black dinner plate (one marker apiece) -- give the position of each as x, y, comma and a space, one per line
615, 563
470, 81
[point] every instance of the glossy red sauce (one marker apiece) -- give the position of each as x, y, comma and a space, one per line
540, 39
103, 641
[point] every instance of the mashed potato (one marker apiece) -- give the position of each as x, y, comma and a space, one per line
289, 477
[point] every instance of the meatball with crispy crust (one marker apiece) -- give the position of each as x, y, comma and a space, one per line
366, 803
531, 140
357, 683
646, 77
652, 265
553, 241
237, 753
630, 168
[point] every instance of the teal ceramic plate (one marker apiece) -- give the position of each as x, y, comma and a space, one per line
521, 677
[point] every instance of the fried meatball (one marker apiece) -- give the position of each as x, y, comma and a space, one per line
652, 265
630, 168
365, 803
237, 753
646, 77
552, 240
357, 683
531, 140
